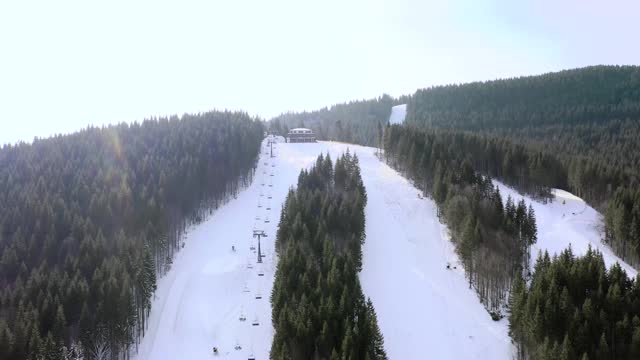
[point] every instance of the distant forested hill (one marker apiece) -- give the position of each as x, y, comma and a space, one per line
590, 117
356, 122
88, 219
593, 94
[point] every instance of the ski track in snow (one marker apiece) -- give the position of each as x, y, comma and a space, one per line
424, 309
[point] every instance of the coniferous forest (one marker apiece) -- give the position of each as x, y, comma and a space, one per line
574, 308
88, 220
357, 122
319, 309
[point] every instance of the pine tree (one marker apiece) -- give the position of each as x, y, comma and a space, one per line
634, 351
6, 340
378, 340
602, 352
566, 351
467, 246
59, 325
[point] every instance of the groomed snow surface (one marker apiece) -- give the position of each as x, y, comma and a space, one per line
424, 310
567, 221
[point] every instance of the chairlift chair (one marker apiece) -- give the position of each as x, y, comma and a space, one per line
260, 270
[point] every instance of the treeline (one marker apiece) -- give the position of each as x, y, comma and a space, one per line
622, 224
88, 220
319, 309
358, 122
593, 94
529, 171
493, 239
576, 309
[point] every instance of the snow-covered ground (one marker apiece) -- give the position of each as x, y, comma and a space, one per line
568, 220
423, 309
199, 303
398, 113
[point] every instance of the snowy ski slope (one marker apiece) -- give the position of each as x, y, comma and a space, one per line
398, 113
424, 309
201, 301
573, 223
420, 305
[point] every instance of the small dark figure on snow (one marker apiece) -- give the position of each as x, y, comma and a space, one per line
215, 350
233, 248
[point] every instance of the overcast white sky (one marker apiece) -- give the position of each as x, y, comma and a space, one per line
66, 64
